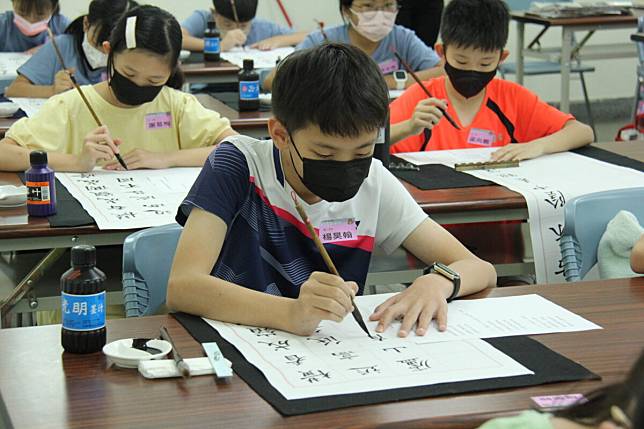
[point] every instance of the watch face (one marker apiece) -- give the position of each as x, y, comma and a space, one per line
400, 75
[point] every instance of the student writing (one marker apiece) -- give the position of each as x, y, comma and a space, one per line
238, 27
245, 257
24, 29
490, 112
370, 26
82, 49
149, 122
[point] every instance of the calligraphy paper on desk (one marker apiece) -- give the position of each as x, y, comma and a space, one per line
490, 318
261, 59
10, 62
340, 359
546, 183
130, 199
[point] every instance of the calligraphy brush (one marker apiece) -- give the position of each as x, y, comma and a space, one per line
415, 76
321, 25
232, 3
327, 259
80, 91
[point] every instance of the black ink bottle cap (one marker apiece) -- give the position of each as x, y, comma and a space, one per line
38, 157
83, 256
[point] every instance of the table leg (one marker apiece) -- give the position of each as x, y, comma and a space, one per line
566, 52
520, 57
27, 284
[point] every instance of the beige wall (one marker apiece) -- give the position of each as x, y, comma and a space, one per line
613, 78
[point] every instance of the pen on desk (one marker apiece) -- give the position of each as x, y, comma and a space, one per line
327, 259
80, 91
423, 87
182, 366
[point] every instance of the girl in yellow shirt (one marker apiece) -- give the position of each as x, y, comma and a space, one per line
148, 122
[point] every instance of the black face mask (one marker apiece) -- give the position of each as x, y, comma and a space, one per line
128, 92
333, 180
468, 83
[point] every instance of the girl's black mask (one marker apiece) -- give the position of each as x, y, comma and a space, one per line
333, 181
128, 92
468, 83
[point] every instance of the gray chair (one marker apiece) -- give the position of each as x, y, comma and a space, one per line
147, 259
585, 220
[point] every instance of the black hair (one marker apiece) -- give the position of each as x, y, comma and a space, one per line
478, 24
101, 14
334, 86
38, 7
246, 9
345, 4
156, 31
629, 396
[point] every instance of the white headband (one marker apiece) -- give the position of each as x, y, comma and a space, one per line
130, 32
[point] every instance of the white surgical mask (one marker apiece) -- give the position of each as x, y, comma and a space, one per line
95, 58
375, 25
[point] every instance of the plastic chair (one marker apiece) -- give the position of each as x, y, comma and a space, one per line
539, 68
147, 258
585, 220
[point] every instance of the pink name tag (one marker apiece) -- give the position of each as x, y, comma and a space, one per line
388, 66
481, 137
155, 121
557, 401
333, 231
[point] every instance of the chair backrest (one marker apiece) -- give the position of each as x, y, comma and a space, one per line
585, 220
147, 259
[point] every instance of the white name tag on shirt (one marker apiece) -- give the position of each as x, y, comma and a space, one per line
337, 230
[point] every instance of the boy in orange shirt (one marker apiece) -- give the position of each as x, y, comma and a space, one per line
490, 112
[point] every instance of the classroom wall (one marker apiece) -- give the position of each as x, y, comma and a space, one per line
612, 79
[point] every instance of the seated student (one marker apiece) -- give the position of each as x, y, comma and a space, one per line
618, 406
245, 256
490, 112
249, 31
151, 124
370, 26
25, 28
82, 49
637, 256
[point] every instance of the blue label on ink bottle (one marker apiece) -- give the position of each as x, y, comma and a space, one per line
83, 312
249, 90
212, 45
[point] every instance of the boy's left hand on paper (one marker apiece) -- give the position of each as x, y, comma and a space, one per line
140, 158
267, 44
518, 152
419, 304
232, 39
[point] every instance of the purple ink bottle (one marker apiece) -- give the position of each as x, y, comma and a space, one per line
41, 189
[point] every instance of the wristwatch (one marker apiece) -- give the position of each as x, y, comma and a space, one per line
400, 76
449, 274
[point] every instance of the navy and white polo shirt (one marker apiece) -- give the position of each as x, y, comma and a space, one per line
267, 246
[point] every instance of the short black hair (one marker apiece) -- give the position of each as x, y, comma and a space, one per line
37, 7
156, 31
246, 9
335, 86
478, 24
